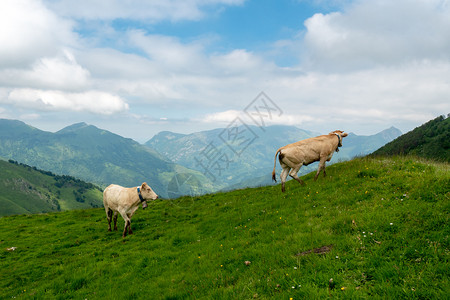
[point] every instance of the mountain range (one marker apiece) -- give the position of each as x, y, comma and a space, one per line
173, 164
89, 153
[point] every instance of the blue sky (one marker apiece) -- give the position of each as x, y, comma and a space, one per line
252, 25
140, 67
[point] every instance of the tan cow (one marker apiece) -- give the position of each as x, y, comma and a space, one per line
293, 156
125, 201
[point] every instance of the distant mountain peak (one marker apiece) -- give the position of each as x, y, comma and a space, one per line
391, 133
170, 135
164, 136
75, 127
9, 128
80, 124
392, 128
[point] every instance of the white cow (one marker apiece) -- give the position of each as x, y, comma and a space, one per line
293, 156
125, 201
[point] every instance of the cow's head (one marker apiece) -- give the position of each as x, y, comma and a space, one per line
147, 192
340, 134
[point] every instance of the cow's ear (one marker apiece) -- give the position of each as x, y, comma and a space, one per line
143, 185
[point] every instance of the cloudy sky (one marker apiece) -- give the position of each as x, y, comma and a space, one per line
139, 67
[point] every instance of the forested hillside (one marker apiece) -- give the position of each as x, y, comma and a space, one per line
431, 140
25, 189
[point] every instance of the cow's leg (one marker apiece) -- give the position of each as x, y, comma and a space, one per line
294, 174
127, 223
283, 177
321, 167
325, 173
116, 214
324, 167
108, 217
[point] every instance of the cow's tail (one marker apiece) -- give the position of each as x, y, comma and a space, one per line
274, 178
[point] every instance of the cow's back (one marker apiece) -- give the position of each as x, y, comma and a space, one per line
307, 151
115, 195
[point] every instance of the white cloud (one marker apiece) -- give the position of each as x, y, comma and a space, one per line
30, 31
373, 33
222, 117
169, 51
228, 116
399, 96
30, 117
172, 70
91, 101
238, 62
59, 72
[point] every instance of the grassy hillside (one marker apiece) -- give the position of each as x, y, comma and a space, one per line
24, 190
384, 223
430, 140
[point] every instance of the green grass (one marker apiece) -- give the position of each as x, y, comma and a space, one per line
386, 219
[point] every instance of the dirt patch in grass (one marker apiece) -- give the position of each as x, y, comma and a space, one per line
320, 250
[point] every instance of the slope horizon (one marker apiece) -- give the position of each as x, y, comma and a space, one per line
81, 124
